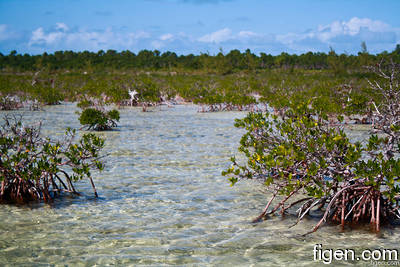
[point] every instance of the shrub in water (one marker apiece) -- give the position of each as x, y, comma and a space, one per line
98, 120
33, 167
301, 156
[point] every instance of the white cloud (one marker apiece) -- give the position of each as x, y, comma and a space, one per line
345, 36
166, 37
40, 37
62, 38
248, 34
141, 35
352, 27
217, 37
163, 41
61, 26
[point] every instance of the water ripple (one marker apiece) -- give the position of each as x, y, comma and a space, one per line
163, 202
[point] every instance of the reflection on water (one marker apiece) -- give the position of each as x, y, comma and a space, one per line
163, 201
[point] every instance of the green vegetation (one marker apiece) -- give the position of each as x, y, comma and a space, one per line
301, 156
35, 168
234, 81
98, 120
168, 61
215, 92
299, 150
95, 117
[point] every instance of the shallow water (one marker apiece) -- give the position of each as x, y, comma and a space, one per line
163, 202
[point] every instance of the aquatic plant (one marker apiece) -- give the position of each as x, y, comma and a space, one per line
94, 116
301, 156
36, 168
99, 120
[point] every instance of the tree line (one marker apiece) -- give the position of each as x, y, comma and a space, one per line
223, 63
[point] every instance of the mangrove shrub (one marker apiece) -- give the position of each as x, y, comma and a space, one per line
301, 156
33, 167
99, 120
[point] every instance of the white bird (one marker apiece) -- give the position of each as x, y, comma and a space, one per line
133, 95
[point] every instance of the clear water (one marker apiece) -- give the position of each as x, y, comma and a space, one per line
163, 202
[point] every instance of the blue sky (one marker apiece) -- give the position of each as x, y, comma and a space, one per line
199, 26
